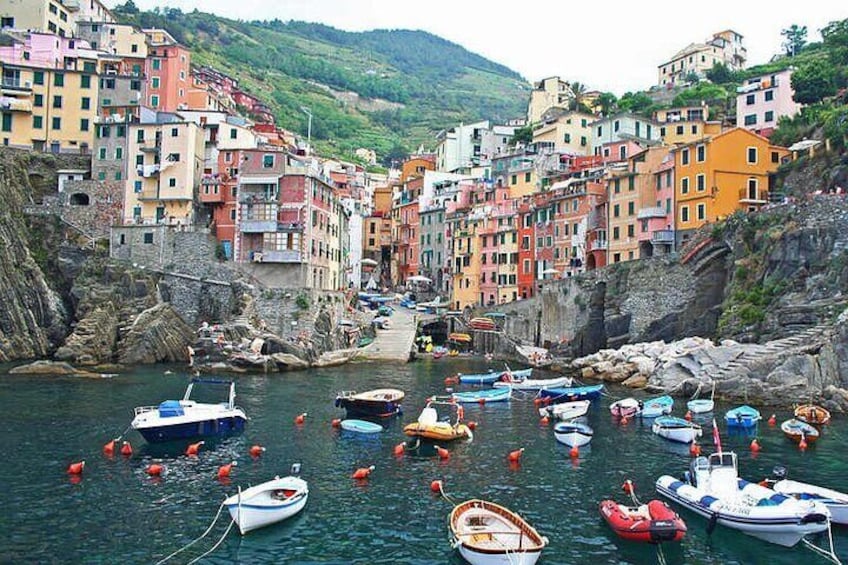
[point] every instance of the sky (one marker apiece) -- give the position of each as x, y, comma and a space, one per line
614, 46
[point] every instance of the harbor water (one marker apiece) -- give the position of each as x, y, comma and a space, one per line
116, 513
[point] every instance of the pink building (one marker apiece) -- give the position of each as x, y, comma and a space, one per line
763, 100
167, 72
656, 202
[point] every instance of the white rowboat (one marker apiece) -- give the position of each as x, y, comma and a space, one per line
489, 534
267, 503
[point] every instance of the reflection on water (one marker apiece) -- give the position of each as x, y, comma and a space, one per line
117, 513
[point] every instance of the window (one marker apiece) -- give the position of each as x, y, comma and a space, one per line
750, 99
154, 101
513, 179
684, 185
616, 233
7, 22
752, 155
57, 101
616, 211
631, 184
172, 182
631, 230
631, 208
154, 82
175, 132
135, 85
617, 184
54, 9
616, 125
702, 211
775, 157
37, 122
582, 141
583, 122
119, 153
140, 136
57, 123
101, 175
268, 161
233, 133
700, 183
134, 48
679, 130
157, 64
567, 138
59, 79
769, 117
701, 153
174, 157
527, 177
7, 121
750, 119
85, 81
139, 159
769, 95
662, 131
684, 214
117, 175
121, 131
684, 157
38, 101
148, 237
38, 77
84, 124
85, 103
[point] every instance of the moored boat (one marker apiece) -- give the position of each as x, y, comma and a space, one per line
570, 394
625, 407
483, 396
566, 410
187, 419
833, 500
268, 503
489, 534
377, 403
653, 522
676, 429
742, 417
429, 427
702, 405
796, 430
361, 426
486, 324
812, 414
573, 434
658, 406
714, 490
480, 378
534, 384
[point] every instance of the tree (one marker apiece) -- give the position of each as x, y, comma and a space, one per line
636, 102
607, 102
578, 98
794, 39
720, 74
813, 81
523, 135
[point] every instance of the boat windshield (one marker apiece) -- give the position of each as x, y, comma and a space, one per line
723, 460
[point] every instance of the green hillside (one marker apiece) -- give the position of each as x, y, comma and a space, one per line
388, 90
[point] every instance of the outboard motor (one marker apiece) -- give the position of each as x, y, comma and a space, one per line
295, 469
779, 472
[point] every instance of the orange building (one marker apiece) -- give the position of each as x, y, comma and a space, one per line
167, 72
720, 175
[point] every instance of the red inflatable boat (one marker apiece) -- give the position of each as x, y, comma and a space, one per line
654, 522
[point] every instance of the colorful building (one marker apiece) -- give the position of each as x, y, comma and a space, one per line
725, 47
762, 100
167, 71
568, 133
548, 93
621, 127
59, 17
654, 169
721, 175
685, 124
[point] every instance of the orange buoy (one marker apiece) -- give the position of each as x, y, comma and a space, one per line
460, 413
625, 420
772, 420
193, 448
694, 449
444, 454
299, 419
256, 450
802, 445
537, 401
688, 416
627, 486
109, 448
515, 455
481, 401
362, 472
472, 425
126, 449
436, 486
544, 421
224, 470
574, 453
400, 448
755, 445
155, 470
336, 422
451, 381
76, 468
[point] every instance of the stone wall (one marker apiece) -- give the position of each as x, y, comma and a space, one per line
164, 247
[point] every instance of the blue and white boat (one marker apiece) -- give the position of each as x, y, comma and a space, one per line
483, 396
535, 384
676, 429
571, 394
269, 502
361, 426
659, 406
714, 490
494, 376
186, 419
742, 417
833, 500
573, 434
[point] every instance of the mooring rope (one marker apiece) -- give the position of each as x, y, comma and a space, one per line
191, 543
445, 495
214, 547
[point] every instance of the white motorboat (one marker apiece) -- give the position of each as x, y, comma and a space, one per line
489, 534
714, 490
702, 405
833, 500
676, 429
573, 434
268, 503
566, 410
535, 384
625, 408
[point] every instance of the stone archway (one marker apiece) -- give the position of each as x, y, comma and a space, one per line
79, 199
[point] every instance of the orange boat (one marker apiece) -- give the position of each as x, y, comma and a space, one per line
482, 324
812, 414
429, 427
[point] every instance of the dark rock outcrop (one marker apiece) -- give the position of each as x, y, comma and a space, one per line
157, 335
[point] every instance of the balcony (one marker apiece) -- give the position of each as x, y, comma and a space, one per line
598, 245
211, 194
753, 196
15, 104
654, 212
15, 85
251, 225
277, 256
147, 195
148, 171
663, 237
150, 145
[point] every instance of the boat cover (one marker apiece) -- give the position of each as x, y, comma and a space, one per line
170, 408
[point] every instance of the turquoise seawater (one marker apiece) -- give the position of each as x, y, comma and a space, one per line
117, 514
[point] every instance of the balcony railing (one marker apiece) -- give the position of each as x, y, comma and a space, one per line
277, 256
598, 245
653, 212
247, 225
15, 104
148, 171
750, 196
15, 83
663, 236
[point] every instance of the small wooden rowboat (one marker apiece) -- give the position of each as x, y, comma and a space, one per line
489, 534
268, 503
482, 324
377, 403
625, 407
361, 426
566, 410
812, 414
653, 522
796, 430
483, 396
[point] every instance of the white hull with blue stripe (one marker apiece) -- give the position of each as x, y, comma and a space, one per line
835, 501
715, 491
267, 503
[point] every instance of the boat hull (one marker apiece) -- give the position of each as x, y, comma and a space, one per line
566, 410
656, 407
742, 417
440, 431
835, 501
255, 508
661, 524
700, 406
489, 534
572, 434
476, 557
625, 408
484, 396
676, 430
557, 395
361, 426
796, 430
192, 430
812, 414
535, 384
380, 403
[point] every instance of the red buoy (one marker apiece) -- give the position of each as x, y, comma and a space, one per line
399, 448
362, 472
755, 445
515, 455
155, 470
574, 453
481, 401
76, 468
627, 486
688, 416
694, 449
126, 449
472, 425
537, 401
336, 422
444, 454
772, 420
624, 420
802, 445
436, 486
544, 421
109, 448
224, 470
193, 448
256, 450
300, 418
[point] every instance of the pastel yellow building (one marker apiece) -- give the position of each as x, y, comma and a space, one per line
164, 171
551, 92
466, 263
569, 133
507, 239
684, 125
623, 210
720, 175
52, 16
